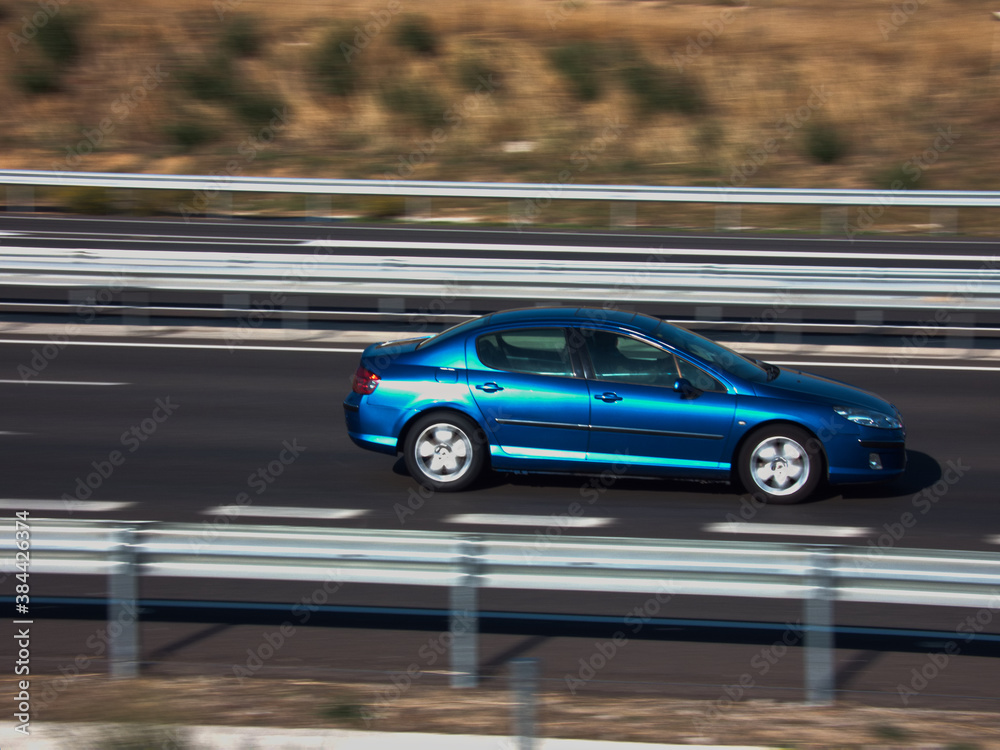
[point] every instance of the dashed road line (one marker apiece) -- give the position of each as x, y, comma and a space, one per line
265, 511
73, 505
787, 529
502, 519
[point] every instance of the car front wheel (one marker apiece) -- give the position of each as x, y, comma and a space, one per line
780, 465
444, 452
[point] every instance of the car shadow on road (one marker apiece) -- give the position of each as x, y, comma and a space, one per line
922, 472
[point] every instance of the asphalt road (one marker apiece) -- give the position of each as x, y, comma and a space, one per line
174, 434
197, 427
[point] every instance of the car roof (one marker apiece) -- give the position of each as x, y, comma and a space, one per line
573, 316
548, 315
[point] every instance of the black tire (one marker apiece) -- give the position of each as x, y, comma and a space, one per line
780, 465
444, 451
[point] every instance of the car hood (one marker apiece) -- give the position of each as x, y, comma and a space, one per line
804, 386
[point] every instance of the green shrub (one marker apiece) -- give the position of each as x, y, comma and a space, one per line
211, 83
414, 101
130, 737
824, 143
472, 71
415, 33
188, 134
332, 66
86, 201
256, 109
242, 38
37, 80
580, 65
59, 39
659, 89
384, 207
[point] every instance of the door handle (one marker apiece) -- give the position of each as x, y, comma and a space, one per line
608, 397
490, 387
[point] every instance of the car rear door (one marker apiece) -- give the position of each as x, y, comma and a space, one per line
529, 387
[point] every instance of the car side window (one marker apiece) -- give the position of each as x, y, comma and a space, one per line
627, 360
699, 378
542, 351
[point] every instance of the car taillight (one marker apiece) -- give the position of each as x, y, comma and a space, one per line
365, 381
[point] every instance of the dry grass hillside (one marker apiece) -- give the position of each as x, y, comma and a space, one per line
805, 93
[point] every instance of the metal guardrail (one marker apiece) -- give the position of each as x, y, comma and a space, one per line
522, 191
565, 280
818, 575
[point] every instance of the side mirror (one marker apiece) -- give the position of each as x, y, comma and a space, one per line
684, 387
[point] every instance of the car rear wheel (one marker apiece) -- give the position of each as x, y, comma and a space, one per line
444, 452
780, 465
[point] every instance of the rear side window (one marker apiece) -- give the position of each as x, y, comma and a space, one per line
542, 351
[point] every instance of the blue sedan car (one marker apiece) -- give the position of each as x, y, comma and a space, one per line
583, 390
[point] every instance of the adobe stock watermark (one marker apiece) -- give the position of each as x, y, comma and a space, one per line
913, 342
43, 356
938, 661
900, 16
923, 502
363, 35
272, 641
556, 15
98, 643
248, 150
247, 324
914, 168
580, 160
31, 25
760, 664
787, 126
605, 651
131, 440
753, 329
429, 653
121, 109
696, 45
259, 481
453, 117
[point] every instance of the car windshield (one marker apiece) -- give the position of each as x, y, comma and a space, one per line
711, 352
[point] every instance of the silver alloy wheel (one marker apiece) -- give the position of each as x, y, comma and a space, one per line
779, 465
443, 452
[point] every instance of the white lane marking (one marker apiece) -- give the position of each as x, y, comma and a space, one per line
500, 519
993, 540
73, 505
265, 511
55, 382
47, 220
299, 225
655, 253
4, 432
152, 345
787, 529
887, 365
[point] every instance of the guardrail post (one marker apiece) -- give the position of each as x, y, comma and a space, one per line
524, 684
623, 214
464, 618
820, 677
20, 198
832, 219
727, 217
123, 610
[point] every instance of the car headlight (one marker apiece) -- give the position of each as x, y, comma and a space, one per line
869, 418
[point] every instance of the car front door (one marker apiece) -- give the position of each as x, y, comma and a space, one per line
639, 419
529, 388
